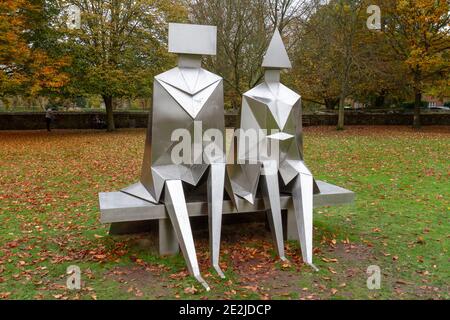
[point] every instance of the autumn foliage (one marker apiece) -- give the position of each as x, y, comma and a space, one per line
418, 32
121, 45
24, 68
49, 218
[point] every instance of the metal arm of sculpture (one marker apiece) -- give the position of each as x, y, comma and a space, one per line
274, 112
187, 105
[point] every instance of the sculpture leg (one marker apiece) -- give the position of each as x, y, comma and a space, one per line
215, 206
302, 197
177, 210
271, 193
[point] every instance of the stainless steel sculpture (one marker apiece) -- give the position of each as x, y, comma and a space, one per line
272, 107
191, 98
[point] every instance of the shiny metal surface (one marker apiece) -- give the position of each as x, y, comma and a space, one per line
276, 56
302, 199
276, 110
215, 206
192, 39
128, 212
177, 211
187, 98
118, 207
139, 191
168, 241
271, 195
178, 104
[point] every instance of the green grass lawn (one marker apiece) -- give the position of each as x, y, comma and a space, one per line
49, 220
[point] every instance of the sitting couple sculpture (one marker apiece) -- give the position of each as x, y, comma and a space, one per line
188, 94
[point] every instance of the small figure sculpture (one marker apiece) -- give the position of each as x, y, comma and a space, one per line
273, 113
190, 98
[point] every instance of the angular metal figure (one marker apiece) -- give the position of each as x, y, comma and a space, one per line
276, 109
187, 97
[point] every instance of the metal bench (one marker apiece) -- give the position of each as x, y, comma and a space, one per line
118, 208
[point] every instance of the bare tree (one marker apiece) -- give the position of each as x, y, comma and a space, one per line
283, 13
245, 28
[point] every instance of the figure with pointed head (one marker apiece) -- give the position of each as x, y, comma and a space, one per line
274, 111
189, 99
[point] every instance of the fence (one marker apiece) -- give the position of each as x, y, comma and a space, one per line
96, 120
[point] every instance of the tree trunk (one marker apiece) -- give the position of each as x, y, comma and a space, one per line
417, 106
380, 100
340, 125
330, 104
109, 113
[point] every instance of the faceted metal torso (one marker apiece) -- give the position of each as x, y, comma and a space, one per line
276, 109
181, 97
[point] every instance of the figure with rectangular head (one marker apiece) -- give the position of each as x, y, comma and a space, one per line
186, 99
273, 111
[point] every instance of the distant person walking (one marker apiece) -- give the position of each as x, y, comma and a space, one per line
49, 117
